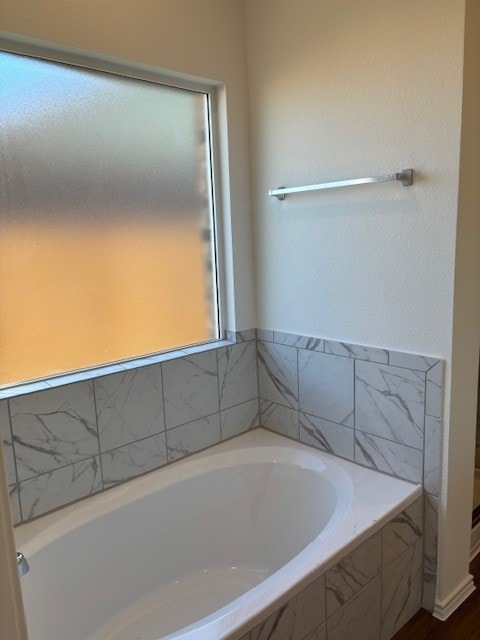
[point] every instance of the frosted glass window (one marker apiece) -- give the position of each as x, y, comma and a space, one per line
106, 219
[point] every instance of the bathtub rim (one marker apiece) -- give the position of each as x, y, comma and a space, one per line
301, 570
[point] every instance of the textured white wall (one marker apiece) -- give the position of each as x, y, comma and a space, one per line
203, 38
346, 89
459, 446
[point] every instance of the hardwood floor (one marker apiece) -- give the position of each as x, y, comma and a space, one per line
464, 624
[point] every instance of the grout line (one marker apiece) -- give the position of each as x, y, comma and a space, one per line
163, 402
217, 356
98, 433
354, 409
17, 480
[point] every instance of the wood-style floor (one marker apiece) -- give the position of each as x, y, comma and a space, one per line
464, 624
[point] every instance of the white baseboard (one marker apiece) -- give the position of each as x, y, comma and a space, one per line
445, 608
475, 543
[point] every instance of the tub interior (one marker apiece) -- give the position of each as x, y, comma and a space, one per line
173, 557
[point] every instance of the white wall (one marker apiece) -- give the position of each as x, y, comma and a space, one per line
203, 38
344, 88
459, 451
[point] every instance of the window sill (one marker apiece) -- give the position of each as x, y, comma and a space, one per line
23, 388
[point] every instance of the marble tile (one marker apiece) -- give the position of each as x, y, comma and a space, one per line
360, 618
431, 532
326, 386
15, 503
348, 350
280, 419
299, 617
353, 573
327, 436
320, 633
390, 457
237, 374
239, 419
88, 374
192, 437
60, 487
390, 402
401, 590
296, 340
129, 406
133, 459
434, 391
278, 375
241, 336
190, 386
431, 468
428, 591
23, 389
53, 428
411, 360
401, 532
266, 335
7, 442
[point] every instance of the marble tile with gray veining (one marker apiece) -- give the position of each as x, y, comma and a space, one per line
7, 442
355, 571
327, 436
326, 386
401, 532
360, 618
297, 618
401, 590
320, 633
431, 532
60, 487
278, 375
434, 391
241, 336
237, 374
428, 590
389, 457
23, 389
411, 360
348, 350
129, 406
280, 419
390, 402
133, 459
192, 437
53, 428
296, 340
431, 470
266, 335
190, 387
239, 419
15, 503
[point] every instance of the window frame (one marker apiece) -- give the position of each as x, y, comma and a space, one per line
96, 61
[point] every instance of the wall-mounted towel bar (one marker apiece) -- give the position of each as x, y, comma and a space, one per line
405, 177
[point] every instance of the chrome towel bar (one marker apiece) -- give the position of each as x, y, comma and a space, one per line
405, 177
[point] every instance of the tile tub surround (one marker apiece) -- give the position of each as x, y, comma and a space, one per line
67, 442
378, 407
368, 595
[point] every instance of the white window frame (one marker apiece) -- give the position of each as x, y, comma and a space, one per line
53, 52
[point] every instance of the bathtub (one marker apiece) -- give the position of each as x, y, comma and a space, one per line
203, 549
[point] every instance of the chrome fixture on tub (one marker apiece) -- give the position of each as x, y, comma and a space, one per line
22, 564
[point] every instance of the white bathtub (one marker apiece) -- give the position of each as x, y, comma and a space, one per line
203, 549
